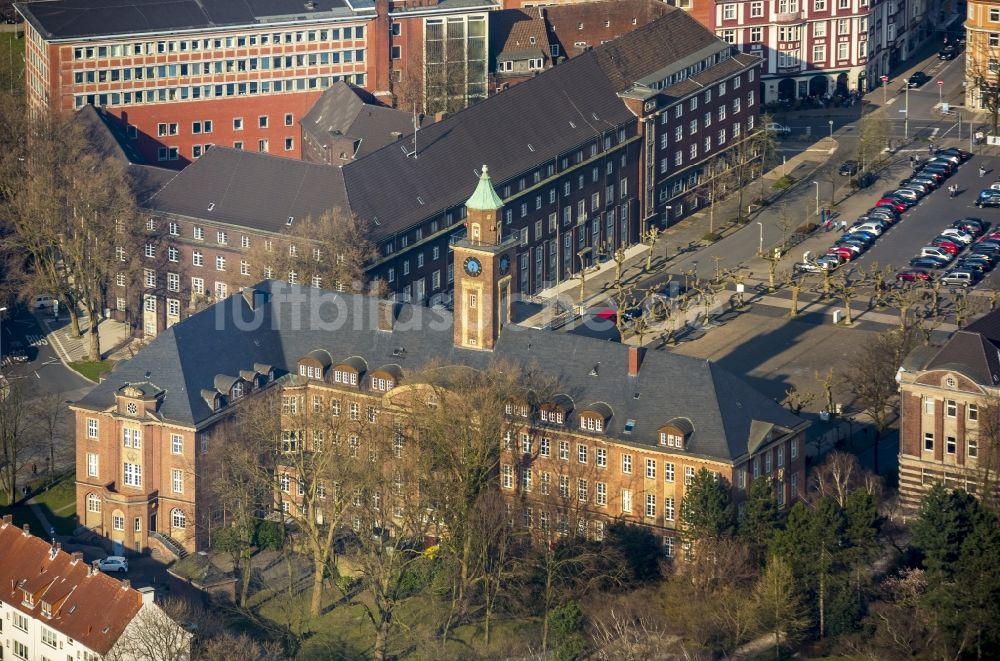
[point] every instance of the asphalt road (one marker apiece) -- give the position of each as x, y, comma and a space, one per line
43, 371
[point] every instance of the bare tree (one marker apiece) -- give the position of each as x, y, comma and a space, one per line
873, 137
796, 400
50, 415
839, 475
330, 251
778, 607
17, 442
155, 634
239, 647
845, 287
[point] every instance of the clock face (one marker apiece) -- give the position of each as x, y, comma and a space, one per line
132, 408
473, 266
504, 264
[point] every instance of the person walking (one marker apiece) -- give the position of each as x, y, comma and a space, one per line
982, 172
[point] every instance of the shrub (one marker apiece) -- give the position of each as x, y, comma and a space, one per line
711, 237
807, 228
783, 182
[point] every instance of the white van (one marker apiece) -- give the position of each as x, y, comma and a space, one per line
43, 302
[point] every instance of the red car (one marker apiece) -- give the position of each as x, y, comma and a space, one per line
948, 246
913, 275
992, 236
891, 203
845, 254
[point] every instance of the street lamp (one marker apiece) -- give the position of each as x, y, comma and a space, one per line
3, 309
830, 122
816, 184
760, 246
906, 113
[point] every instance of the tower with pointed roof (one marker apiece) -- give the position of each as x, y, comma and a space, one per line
482, 270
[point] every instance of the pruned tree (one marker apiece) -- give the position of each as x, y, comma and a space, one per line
874, 131
904, 297
846, 285
329, 251
156, 634
797, 400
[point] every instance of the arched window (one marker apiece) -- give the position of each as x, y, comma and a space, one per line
93, 502
177, 519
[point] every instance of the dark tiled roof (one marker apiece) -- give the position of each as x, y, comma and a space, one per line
971, 353
107, 135
188, 356
251, 189
565, 20
92, 608
389, 185
653, 46
66, 19
346, 114
516, 30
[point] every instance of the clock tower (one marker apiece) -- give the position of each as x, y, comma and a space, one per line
482, 271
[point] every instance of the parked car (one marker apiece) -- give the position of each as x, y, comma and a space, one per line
780, 129
845, 254
917, 79
936, 175
113, 563
889, 213
954, 159
862, 237
873, 228
921, 187
828, 262
910, 194
931, 182
988, 198
928, 262
972, 265
960, 277
971, 225
995, 185
806, 267
948, 52
989, 236
951, 162
938, 169
905, 201
943, 242
988, 261
892, 203
963, 237
936, 251
43, 302
913, 275
848, 169
955, 151
854, 248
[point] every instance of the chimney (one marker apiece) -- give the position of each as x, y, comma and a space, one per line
635, 355
386, 315
77, 557
440, 116
126, 584
148, 595
27, 530
92, 570
54, 550
7, 518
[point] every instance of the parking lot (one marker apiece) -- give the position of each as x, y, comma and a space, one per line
936, 211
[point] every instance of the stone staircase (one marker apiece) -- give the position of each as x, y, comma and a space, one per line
170, 545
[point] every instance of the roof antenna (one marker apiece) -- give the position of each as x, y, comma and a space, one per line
416, 129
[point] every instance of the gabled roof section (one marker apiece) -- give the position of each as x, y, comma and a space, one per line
251, 190
485, 197
515, 31
601, 21
87, 606
349, 116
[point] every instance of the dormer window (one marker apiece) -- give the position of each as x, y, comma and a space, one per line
237, 390
46, 609
553, 416
591, 424
671, 440
346, 377
382, 384
28, 600
675, 433
520, 410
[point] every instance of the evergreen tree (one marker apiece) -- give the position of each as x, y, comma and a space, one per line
760, 518
707, 508
946, 519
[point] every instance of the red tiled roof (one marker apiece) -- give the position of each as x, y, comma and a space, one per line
87, 605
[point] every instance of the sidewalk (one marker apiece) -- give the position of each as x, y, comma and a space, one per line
113, 335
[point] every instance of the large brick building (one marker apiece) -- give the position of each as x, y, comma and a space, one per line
627, 429
949, 413
982, 55
587, 155
184, 76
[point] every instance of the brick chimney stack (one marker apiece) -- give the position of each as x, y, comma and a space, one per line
635, 356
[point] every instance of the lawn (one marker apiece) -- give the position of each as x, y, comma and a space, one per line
11, 62
59, 504
345, 632
92, 369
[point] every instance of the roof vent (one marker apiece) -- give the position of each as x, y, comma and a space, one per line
635, 395
629, 425
530, 148
376, 221
291, 219
398, 351
594, 370
420, 200
72, 609
310, 5
572, 125
211, 205
531, 40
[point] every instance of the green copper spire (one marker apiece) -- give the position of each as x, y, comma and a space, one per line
485, 198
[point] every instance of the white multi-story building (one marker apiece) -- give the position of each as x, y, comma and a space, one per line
54, 606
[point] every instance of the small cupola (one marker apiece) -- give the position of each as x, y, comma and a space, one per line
139, 399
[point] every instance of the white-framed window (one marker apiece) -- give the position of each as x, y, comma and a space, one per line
627, 464
563, 450
526, 479
756, 9
601, 457
951, 408
843, 50
177, 480
92, 428
794, 448
118, 522
688, 475
651, 469
220, 263
545, 447
582, 490
564, 486
928, 441
972, 446
601, 493
582, 453
93, 502
132, 474
627, 501
669, 508
950, 444
178, 519
928, 406
92, 464
756, 34
650, 505
176, 444
729, 12
507, 476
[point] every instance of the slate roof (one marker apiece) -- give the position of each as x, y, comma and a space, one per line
69, 19
93, 609
497, 131
251, 189
344, 113
514, 31
564, 20
188, 357
973, 351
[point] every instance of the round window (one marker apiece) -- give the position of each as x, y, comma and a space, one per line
132, 408
950, 382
